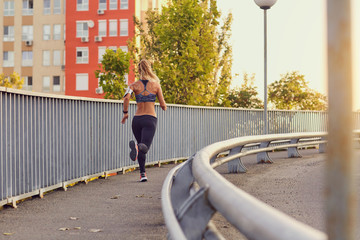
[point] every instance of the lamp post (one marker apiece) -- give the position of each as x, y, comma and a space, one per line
265, 5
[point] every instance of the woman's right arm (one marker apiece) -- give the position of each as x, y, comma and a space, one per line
160, 96
126, 103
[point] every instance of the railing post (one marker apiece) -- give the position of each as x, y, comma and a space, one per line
263, 157
341, 195
293, 151
236, 165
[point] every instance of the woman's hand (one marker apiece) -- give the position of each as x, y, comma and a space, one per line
125, 117
163, 106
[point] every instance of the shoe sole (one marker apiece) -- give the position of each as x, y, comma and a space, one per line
143, 180
133, 151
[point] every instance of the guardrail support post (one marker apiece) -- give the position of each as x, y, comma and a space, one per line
236, 166
195, 214
263, 157
293, 151
180, 190
322, 146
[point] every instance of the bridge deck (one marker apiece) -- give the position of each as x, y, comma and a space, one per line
121, 207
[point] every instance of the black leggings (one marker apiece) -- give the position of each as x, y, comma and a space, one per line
143, 128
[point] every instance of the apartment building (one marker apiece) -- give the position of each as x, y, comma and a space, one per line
32, 43
56, 45
91, 28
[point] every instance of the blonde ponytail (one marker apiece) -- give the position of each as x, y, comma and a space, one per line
146, 72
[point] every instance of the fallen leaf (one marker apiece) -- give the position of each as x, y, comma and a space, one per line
143, 196
8, 234
77, 228
115, 197
74, 218
64, 229
95, 230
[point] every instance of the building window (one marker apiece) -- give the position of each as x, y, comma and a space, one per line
113, 5
124, 27
27, 83
82, 29
101, 52
102, 28
46, 84
47, 7
56, 83
8, 59
124, 4
27, 58
27, 32
28, 7
102, 4
8, 8
82, 82
8, 33
82, 5
114, 48
46, 58
46, 32
113, 28
57, 32
82, 55
64, 31
57, 58
57, 7
124, 48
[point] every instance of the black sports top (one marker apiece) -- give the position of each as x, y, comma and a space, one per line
145, 98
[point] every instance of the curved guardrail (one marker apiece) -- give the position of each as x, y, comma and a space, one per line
194, 191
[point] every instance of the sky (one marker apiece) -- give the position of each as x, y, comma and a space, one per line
296, 41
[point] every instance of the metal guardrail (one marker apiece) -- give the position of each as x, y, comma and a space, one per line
188, 211
50, 141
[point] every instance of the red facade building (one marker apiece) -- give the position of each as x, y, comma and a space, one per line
91, 27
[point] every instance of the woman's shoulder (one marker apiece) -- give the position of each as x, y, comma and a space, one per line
135, 84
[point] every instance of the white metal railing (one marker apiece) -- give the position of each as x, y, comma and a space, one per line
251, 217
49, 141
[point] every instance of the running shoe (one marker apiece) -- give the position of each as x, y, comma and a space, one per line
143, 177
134, 150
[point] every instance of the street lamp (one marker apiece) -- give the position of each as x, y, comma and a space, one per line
265, 5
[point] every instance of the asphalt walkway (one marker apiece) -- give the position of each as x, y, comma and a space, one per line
121, 207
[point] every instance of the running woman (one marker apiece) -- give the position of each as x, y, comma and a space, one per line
144, 122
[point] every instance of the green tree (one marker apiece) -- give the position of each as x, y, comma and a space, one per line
13, 81
246, 96
113, 68
292, 92
189, 50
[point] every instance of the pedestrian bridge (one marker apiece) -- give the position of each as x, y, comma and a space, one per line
50, 142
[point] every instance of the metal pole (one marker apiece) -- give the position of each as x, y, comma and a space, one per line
340, 190
265, 73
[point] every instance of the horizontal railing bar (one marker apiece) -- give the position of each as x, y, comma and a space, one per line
223, 160
175, 231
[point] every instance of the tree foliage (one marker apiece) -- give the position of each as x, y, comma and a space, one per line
246, 96
189, 50
13, 81
292, 92
114, 66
